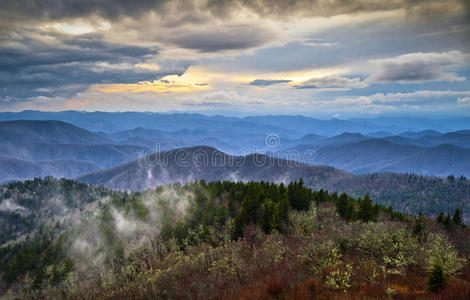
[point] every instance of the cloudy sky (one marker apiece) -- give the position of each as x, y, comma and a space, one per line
241, 57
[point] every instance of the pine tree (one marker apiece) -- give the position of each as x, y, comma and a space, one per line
342, 205
238, 228
440, 217
231, 207
268, 216
418, 228
281, 216
437, 279
367, 210
457, 218
291, 194
298, 196
282, 190
447, 222
322, 196
249, 210
349, 212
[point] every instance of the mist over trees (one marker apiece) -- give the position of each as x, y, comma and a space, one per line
224, 239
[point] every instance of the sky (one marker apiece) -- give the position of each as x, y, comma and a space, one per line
331, 58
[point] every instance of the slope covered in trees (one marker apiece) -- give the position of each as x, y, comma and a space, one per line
26, 206
410, 193
224, 240
404, 192
207, 163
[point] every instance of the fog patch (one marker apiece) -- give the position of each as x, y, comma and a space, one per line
9, 206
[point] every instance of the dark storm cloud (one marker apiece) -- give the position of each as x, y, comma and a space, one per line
332, 82
226, 38
32, 67
466, 3
418, 67
32, 10
431, 10
305, 7
408, 68
267, 82
12, 11
27, 51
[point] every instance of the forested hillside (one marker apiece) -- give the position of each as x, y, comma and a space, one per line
224, 240
207, 163
410, 193
26, 206
404, 192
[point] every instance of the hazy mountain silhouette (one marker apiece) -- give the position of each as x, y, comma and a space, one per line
282, 125
27, 143
419, 134
105, 155
210, 164
31, 149
17, 169
56, 132
383, 155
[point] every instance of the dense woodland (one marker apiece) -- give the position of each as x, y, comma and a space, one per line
411, 193
24, 205
252, 240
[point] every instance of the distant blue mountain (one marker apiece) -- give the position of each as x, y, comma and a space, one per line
55, 132
379, 134
28, 143
419, 134
31, 149
283, 125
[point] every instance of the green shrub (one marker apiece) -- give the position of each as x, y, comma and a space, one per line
393, 247
318, 257
340, 278
441, 252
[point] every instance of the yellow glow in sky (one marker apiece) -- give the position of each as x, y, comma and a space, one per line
168, 84
78, 27
197, 79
